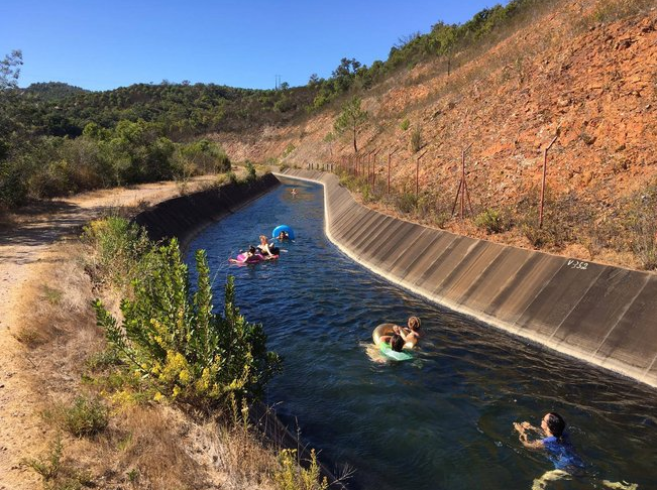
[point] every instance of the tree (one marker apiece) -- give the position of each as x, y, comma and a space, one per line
329, 139
10, 69
351, 119
314, 80
344, 74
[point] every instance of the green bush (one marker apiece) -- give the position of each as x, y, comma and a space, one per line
250, 172
416, 139
206, 156
173, 341
405, 124
292, 476
13, 187
87, 417
118, 247
491, 220
55, 474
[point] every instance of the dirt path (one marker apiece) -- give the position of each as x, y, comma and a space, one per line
34, 248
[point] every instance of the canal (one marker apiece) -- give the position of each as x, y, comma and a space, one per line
444, 419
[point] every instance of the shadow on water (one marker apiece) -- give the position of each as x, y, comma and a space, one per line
441, 421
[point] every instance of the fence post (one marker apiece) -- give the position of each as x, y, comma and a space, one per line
374, 167
417, 179
545, 153
390, 160
462, 188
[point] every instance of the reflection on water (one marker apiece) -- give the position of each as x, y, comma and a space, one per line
441, 421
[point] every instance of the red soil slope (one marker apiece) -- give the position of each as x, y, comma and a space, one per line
594, 82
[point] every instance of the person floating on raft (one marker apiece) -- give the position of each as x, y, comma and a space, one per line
267, 249
409, 334
283, 232
393, 339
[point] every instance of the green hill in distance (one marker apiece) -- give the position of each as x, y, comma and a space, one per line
53, 91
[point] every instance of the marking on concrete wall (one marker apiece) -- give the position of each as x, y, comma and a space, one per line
577, 264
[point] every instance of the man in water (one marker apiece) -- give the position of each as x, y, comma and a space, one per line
555, 442
559, 450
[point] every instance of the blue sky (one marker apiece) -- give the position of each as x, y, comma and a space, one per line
100, 45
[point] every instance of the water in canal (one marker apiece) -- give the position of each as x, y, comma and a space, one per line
441, 421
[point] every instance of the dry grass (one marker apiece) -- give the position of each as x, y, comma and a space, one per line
57, 304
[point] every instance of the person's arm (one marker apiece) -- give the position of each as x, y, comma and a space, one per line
522, 431
404, 333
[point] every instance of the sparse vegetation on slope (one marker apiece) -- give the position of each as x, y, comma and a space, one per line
584, 75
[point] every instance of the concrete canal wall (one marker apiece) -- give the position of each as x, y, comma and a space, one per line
183, 216
602, 314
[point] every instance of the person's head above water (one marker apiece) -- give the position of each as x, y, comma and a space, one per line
263, 239
397, 343
553, 424
252, 249
414, 323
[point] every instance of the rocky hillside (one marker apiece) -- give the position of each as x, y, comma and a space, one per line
585, 72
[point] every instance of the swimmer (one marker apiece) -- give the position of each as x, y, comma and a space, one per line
293, 191
560, 451
555, 442
411, 333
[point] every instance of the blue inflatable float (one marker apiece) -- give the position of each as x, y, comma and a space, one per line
277, 231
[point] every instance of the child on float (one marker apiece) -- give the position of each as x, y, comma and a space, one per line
264, 246
411, 333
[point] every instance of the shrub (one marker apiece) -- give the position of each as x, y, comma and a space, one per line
174, 342
231, 177
117, 249
207, 156
55, 474
250, 172
492, 221
13, 188
406, 202
560, 216
405, 124
642, 226
292, 476
416, 139
87, 417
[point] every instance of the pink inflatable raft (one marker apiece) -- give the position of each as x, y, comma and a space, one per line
243, 258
